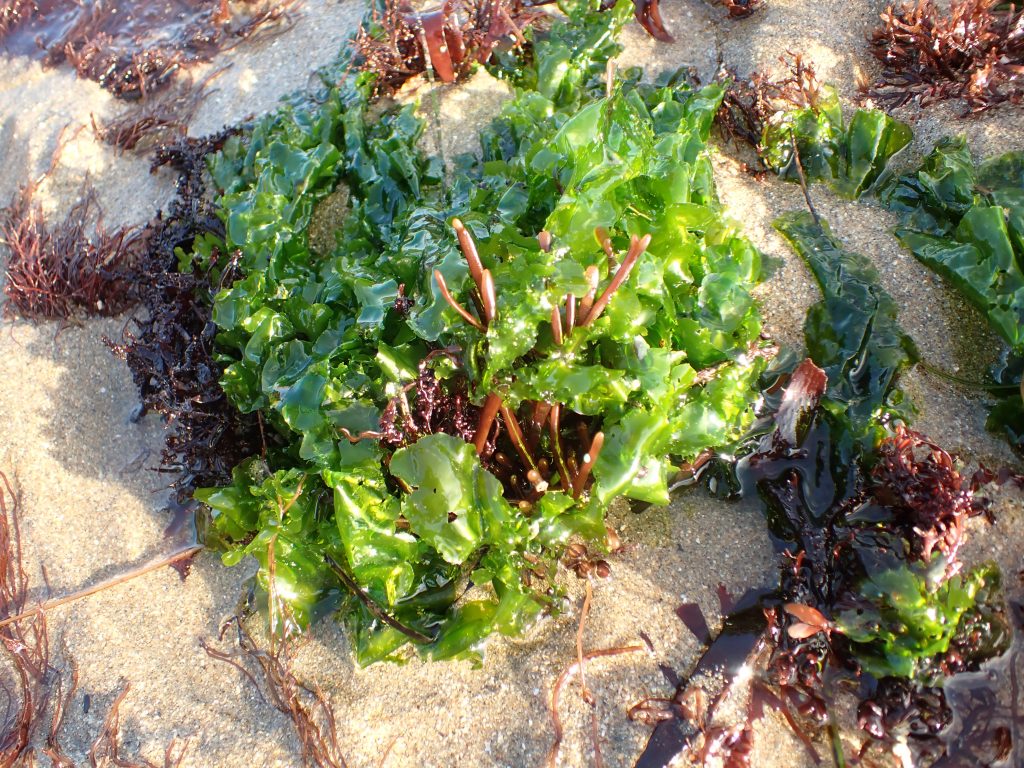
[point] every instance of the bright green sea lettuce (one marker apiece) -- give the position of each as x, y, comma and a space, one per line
378, 387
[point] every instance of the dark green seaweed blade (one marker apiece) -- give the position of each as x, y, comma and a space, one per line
852, 333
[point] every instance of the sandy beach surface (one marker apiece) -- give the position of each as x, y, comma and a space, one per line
92, 503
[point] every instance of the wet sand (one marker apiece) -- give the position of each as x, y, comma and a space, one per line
92, 503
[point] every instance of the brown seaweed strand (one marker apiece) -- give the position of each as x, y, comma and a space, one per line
572, 669
133, 573
53, 749
304, 703
587, 598
803, 179
589, 459
366, 434
454, 304
415, 635
636, 248
487, 416
26, 645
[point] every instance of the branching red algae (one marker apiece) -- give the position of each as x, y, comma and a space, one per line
132, 49
58, 271
973, 51
445, 41
106, 748
25, 642
39, 685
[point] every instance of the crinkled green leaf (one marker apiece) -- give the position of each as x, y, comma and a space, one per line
906, 619
852, 158
454, 504
968, 225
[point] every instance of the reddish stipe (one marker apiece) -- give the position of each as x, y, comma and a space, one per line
540, 413
490, 410
593, 278
544, 240
488, 296
454, 304
636, 248
516, 434
556, 326
537, 420
606, 243
476, 268
589, 459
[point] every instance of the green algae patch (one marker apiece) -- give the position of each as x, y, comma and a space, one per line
480, 367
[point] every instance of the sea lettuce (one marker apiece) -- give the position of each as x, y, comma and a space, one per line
908, 615
852, 157
966, 222
377, 385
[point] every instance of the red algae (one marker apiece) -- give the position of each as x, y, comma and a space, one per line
131, 48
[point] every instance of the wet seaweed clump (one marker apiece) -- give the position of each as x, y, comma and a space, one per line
447, 41
918, 481
973, 51
965, 221
796, 127
73, 267
397, 43
159, 120
874, 611
170, 351
750, 103
860, 610
648, 15
477, 369
130, 48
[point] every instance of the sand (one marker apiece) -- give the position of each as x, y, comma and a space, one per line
92, 505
